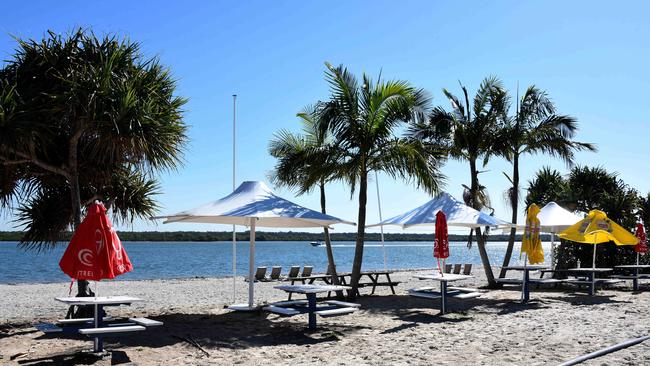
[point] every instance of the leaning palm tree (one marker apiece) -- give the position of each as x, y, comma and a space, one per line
84, 118
306, 161
536, 128
363, 119
467, 133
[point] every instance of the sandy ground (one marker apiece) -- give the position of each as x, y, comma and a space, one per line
494, 329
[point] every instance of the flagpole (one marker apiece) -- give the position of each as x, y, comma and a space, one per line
234, 233
381, 227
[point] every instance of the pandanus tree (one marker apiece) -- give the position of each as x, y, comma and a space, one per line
306, 161
536, 128
82, 119
468, 133
364, 119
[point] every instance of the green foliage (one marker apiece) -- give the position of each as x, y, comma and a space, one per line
84, 118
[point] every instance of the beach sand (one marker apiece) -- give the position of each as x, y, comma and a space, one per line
494, 329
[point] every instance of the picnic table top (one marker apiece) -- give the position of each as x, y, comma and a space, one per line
311, 289
99, 300
532, 267
633, 266
446, 277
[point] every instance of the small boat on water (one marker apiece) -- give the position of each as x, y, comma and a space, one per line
316, 243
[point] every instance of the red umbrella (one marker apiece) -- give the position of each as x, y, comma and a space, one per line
441, 244
642, 245
95, 252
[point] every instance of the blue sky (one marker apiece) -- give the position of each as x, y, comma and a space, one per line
590, 56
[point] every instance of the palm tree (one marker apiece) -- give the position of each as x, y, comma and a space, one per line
467, 133
83, 118
548, 185
536, 128
363, 119
306, 161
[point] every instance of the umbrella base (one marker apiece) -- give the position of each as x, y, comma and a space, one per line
243, 307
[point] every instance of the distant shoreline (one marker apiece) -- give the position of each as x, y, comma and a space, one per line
210, 236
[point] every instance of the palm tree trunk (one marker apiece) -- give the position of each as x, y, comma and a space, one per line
480, 239
515, 210
328, 242
361, 227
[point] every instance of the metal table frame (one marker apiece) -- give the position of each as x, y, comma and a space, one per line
98, 305
311, 291
635, 270
443, 279
525, 283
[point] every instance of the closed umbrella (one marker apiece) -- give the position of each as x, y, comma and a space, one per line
441, 244
95, 251
642, 246
531, 244
253, 204
595, 229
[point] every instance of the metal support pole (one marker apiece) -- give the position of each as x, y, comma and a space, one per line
251, 265
234, 234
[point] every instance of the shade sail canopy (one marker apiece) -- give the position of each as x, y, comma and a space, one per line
253, 204
457, 213
254, 200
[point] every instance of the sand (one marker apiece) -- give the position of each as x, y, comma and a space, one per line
494, 329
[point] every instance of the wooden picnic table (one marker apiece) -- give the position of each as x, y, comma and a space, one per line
443, 279
311, 291
635, 273
525, 282
99, 328
591, 276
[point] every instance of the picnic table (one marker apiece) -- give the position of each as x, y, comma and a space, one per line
591, 276
426, 292
310, 307
635, 273
526, 281
98, 326
346, 277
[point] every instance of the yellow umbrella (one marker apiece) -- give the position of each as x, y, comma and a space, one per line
596, 228
531, 244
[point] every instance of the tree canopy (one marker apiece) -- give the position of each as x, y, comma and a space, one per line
83, 118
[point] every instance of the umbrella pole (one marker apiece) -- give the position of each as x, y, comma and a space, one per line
251, 264
552, 250
594, 260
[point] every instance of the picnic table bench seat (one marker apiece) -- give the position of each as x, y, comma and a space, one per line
111, 330
343, 303
465, 295
281, 310
464, 289
545, 281
82, 320
146, 322
509, 281
335, 312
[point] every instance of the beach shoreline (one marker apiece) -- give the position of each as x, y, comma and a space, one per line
494, 329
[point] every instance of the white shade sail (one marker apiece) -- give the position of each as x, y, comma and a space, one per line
554, 219
254, 200
253, 204
457, 213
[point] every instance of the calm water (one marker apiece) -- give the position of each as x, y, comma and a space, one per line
153, 260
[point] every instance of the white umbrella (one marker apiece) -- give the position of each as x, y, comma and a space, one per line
253, 204
457, 213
